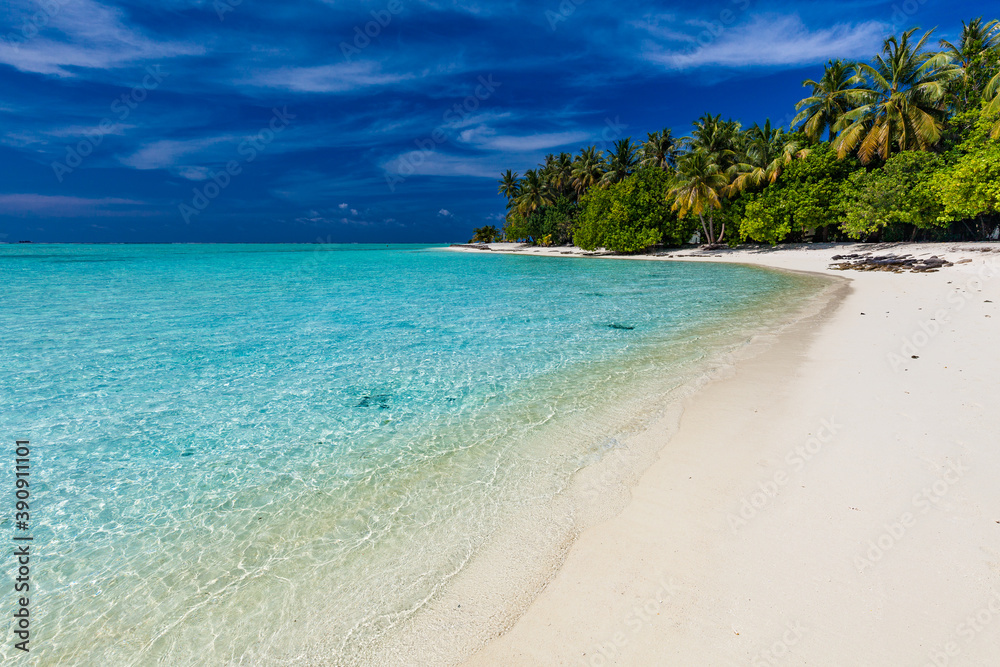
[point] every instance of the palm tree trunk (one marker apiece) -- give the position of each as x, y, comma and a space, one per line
711, 229
722, 234
708, 239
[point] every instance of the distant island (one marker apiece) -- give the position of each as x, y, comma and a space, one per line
903, 148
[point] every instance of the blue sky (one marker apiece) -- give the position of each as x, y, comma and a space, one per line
245, 120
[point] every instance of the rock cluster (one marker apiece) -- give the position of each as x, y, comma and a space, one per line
473, 246
893, 263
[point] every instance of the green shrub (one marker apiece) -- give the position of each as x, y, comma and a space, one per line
631, 215
897, 197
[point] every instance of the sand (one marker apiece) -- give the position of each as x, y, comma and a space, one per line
834, 501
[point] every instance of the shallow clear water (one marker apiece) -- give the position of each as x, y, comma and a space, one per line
242, 452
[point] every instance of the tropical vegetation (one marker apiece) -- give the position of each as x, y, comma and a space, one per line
905, 146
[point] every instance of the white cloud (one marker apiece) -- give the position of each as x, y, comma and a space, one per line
771, 40
168, 152
444, 213
420, 163
474, 8
193, 173
662, 27
338, 78
343, 206
456, 122
486, 138
77, 131
95, 37
60, 206
315, 218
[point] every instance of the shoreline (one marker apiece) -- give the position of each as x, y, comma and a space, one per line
517, 563
753, 549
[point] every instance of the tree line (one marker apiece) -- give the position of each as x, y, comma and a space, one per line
904, 147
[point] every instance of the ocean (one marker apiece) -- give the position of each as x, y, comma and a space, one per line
290, 454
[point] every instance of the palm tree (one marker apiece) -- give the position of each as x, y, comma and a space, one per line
547, 171
534, 193
702, 182
976, 41
485, 234
831, 98
764, 154
510, 186
588, 169
976, 38
562, 175
716, 137
993, 94
622, 161
902, 103
660, 150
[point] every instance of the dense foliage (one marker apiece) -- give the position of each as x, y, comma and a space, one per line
630, 215
906, 146
969, 186
487, 234
893, 198
807, 197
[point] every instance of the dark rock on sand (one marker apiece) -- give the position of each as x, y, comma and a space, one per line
380, 401
891, 263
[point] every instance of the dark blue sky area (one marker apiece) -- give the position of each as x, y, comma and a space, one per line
246, 120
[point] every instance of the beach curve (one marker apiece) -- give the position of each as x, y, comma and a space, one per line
838, 509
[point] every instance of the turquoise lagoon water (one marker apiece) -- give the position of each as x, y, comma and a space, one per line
261, 454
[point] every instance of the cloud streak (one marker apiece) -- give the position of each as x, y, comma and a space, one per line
83, 34
774, 40
337, 78
60, 206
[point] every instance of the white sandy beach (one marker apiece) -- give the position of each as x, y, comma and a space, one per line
834, 501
